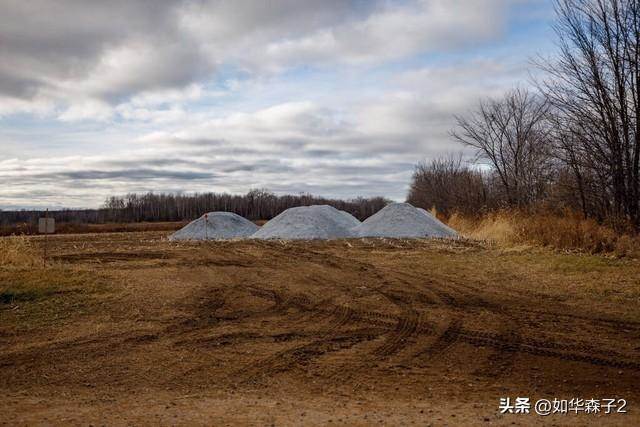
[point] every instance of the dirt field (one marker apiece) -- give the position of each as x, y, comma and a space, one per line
130, 329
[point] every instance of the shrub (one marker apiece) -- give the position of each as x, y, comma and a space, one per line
569, 231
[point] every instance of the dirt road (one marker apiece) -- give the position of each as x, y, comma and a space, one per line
343, 333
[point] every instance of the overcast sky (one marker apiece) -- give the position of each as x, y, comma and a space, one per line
334, 97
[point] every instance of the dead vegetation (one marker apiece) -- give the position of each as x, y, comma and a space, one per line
62, 227
18, 251
34, 294
564, 232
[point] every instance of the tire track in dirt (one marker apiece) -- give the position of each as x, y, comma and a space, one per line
501, 339
332, 339
439, 345
398, 331
305, 311
507, 343
457, 304
515, 306
512, 301
478, 338
342, 315
407, 326
502, 361
508, 346
448, 297
510, 342
242, 337
616, 325
383, 320
512, 337
283, 302
302, 355
276, 297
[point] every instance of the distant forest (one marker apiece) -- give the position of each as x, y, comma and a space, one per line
153, 207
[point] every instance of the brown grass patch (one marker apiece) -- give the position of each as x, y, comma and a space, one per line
111, 227
32, 294
18, 251
77, 228
566, 232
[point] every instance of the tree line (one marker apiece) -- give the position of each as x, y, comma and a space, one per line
570, 142
255, 205
151, 207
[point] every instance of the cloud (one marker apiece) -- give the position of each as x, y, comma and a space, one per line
366, 147
338, 98
75, 54
392, 32
82, 60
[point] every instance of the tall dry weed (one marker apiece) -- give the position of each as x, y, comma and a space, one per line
18, 251
567, 232
493, 227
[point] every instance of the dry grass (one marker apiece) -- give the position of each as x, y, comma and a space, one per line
18, 251
111, 227
77, 228
32, 298
35, 295
566, 232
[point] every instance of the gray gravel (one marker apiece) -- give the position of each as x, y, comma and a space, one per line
403, 220
397, 220
219, 226
308, 223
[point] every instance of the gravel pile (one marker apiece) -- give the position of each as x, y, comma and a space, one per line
309, 222
403, 220
397, 220
216, 226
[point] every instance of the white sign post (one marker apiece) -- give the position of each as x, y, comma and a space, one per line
46, 226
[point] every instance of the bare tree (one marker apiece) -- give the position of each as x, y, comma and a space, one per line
594, 87
512, 134
449, 185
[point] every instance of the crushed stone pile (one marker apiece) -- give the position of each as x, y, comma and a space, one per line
403, 220
216, 226
308, 223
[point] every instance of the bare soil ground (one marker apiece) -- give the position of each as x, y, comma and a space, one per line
130, 329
